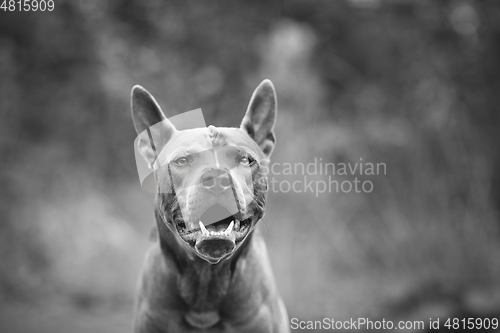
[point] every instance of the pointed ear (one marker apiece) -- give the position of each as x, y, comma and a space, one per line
153, 128
260, 117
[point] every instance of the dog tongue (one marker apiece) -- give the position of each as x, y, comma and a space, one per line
214, 214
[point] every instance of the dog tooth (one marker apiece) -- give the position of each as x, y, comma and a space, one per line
204, 230
229, 228
237, 224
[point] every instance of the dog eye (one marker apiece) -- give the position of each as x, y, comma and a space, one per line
246, 161
181, 161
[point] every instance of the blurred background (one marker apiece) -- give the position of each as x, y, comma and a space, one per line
412, 84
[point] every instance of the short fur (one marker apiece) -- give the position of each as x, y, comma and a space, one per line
181, 290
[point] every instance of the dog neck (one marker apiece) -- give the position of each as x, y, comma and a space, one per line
202, 285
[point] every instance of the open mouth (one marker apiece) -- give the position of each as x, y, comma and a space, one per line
217, 233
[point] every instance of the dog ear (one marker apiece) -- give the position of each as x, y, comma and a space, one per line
153, 128
260, 117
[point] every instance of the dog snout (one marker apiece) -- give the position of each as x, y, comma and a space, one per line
217, 180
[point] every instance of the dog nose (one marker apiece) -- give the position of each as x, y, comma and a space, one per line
216, 179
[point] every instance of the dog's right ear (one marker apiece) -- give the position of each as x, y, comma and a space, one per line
153, 128
260, 117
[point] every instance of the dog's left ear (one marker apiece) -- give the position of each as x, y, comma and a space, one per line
260, 117
153, 128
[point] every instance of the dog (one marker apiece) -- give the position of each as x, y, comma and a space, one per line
208, 269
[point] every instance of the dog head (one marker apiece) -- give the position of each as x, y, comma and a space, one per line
211, 182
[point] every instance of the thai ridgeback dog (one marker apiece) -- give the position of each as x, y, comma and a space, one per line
208, 269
